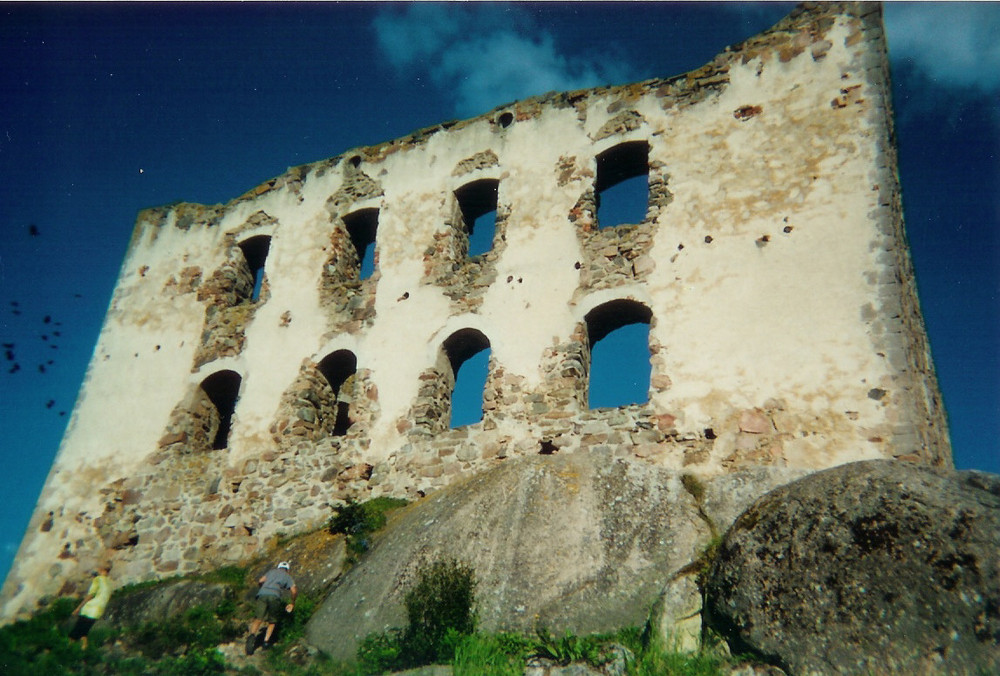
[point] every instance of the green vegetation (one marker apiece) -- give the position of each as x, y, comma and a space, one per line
186, 646
182, 647
234, 576
37, 646
491, 654
199, 628
289, 633
358, 520
657, 662
694, 487
568, 648
441, 629
438, 608
439, 613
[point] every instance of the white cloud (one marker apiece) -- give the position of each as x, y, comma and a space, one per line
953, 43
419, 33
485, 55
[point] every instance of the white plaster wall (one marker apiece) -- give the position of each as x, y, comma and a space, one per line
741, 323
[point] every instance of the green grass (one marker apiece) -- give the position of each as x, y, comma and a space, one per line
441, 629
656, 662
186, 646
490, 655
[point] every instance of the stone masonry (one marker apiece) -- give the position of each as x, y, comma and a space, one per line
771, 268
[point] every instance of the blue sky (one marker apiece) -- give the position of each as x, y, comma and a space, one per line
110, 108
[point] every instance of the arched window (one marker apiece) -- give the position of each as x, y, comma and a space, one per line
622, 184
477, 202
255, 252
337, 368
362, 226
618, 333
468, 352
222, 389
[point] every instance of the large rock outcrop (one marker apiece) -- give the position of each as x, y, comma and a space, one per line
163, 602
872, 567
580, 542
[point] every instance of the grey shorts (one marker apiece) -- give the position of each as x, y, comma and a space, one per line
269, 608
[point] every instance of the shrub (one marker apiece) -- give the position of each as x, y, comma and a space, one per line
40, 645
380, 652
439, 612
357, 520
440, 602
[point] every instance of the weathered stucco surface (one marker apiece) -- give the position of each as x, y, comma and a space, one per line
772, 267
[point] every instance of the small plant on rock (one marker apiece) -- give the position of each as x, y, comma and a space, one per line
568, 648
357, 520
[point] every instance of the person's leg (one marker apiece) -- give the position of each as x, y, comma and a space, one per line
258, 620
260, 614
274, 607
81, 629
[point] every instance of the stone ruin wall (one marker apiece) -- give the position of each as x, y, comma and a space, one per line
771, 267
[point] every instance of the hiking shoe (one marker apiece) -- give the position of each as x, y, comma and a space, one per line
251, 644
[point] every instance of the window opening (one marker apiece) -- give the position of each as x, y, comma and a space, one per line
619, 354
478, 203
337, 368
255, 250
622, 184
223, 389
468, 352
362, 226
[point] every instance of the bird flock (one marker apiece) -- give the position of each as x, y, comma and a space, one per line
42, 354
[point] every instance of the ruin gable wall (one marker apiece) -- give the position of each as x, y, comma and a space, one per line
771, 268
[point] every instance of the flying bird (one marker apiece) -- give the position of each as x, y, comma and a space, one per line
50, 403
15, 368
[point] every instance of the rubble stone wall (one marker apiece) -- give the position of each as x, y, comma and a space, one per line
771, 263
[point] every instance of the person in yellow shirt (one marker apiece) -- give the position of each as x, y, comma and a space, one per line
93, 604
